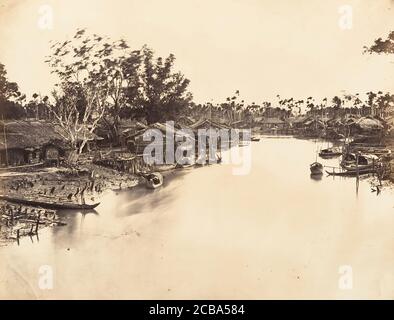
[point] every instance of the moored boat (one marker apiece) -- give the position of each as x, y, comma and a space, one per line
56, 205
330, 152
316, 168
153, 180
351, 173
360, 162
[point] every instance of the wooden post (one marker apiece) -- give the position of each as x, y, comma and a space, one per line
5, 142
357, 179
373, 166
37, 222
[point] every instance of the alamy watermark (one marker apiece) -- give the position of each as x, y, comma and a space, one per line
45, 277
204, 146
345, 281
345, 21
45, 18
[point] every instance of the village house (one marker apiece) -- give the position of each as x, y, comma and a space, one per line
367, 126
297, 123
273, 125
135, 140
208, 124
104, 134
30, 142
390, 126
137, 145
185, 121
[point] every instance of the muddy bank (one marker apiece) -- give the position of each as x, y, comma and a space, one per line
85, 184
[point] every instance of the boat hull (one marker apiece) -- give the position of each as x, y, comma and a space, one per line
154, 180
49, 205
316, 168
351, 173
330, 153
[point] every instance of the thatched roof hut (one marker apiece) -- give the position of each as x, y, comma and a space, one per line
208, 124
369, 124
29, 134
30, 142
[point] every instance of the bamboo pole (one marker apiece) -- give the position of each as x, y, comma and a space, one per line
37, 222
5, 142
357, 172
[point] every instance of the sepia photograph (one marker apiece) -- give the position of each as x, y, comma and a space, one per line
196, 150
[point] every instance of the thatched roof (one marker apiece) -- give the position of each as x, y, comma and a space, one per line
185, 120
207, 123
314, 122
258, 118
132, 127
299, 119
28, 134
172, 131
368, 123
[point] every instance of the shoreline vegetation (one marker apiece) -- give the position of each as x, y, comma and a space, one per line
87, 137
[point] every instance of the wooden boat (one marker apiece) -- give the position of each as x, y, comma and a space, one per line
153, 180
255, 139
350, 173
330, 152
363, 160
49, 204
183, 166
316, 168
360, 167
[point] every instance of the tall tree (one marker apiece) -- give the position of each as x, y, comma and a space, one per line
381, 46
8, 90
163, 92
81, 99
10, 97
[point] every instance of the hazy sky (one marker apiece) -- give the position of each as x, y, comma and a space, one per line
260, 47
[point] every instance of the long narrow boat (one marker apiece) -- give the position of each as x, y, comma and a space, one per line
350, 173
330, 152
49, 205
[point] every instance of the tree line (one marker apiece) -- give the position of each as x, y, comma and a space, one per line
101, 81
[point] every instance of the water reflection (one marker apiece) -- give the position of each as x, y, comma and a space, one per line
316, 177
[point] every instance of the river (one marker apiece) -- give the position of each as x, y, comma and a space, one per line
209, 234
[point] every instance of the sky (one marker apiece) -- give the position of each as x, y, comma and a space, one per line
260, 47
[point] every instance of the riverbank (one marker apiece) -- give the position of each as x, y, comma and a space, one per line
83, 184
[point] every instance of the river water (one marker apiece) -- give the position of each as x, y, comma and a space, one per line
210, 234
